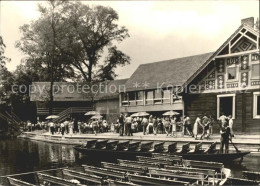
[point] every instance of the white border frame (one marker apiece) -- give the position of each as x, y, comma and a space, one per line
233, 105
255, 116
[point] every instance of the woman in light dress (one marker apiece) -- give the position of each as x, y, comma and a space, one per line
173, 123
196, 127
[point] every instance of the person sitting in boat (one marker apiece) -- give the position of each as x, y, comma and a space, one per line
224, 139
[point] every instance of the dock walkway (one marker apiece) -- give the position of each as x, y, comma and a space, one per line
243, 142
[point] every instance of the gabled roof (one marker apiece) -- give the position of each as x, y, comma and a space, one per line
218, 51
174, 72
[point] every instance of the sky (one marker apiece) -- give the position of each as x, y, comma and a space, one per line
159, 30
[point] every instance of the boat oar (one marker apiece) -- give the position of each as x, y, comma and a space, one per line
234, 146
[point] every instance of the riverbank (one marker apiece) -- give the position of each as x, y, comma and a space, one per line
243, 142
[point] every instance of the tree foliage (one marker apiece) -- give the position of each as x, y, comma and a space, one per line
81, 35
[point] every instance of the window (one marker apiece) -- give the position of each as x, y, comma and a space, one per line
166, 96
131, 96
255, 74
149, 97
157, 96
139, 98
256, 105
226, 105
125, 99
232, 73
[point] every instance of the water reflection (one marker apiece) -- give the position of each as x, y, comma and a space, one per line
17, 156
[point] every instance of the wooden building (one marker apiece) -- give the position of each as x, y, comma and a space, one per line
75, 99
225, 81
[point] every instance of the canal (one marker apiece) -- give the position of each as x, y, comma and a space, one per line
19, 155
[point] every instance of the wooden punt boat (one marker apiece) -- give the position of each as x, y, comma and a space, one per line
129, 150
136, 173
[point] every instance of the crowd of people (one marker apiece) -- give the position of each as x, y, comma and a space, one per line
127, 125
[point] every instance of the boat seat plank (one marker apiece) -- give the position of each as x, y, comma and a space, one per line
137, 163
172, 147
133, 146
160, 160
55, 180
123, 168
83, 176
239, 181
250, 175
145, 180
16, 182
91, 143
197, 148
210, 172
119, 183
122, 145
203, 164
101, 144
185, 148
146, 146
211, 148
111, 145
190, 177
158, 147
104, 172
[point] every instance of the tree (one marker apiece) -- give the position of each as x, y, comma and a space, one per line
84, 34
5, 76
3, 59
38, 42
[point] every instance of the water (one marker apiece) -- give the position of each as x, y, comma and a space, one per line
19, 155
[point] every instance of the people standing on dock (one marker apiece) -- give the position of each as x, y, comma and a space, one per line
205, 127
187, 125
211, 124
167, 126
222, 119
155, 125
144, 124
66, 123
230, 124
121, 124
29, 125
150, 124
173, 124
128, 122
196, 127
62, 127
224, 139
51, 124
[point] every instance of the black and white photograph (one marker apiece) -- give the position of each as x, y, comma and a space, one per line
134, 92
